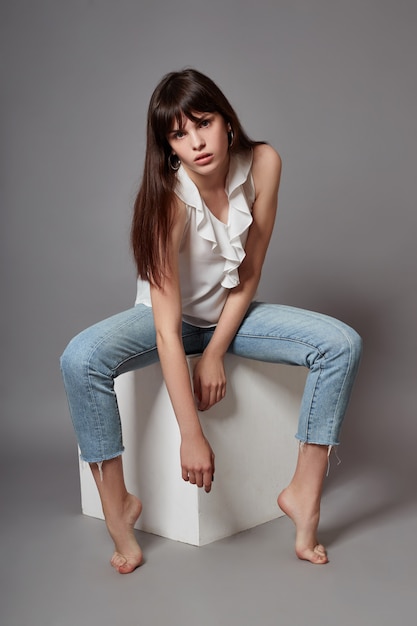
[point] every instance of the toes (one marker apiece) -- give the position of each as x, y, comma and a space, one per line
317, 555
118, 560
319, 549
125, 565
127, 568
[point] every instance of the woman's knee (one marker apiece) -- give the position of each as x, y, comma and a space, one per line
81, 355
356, 343
351, 344
72, 358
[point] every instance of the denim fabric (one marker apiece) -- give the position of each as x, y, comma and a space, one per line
269, 332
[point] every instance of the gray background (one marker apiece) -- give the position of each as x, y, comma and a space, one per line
331, 85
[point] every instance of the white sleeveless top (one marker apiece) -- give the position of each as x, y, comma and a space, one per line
211, 251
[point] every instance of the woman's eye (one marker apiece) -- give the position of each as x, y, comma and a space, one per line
179, 134
204, 123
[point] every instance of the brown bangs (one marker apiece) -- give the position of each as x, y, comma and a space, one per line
181, 98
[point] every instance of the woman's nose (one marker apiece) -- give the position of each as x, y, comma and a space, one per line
197, 141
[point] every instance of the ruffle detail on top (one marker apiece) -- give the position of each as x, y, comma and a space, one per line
227, 240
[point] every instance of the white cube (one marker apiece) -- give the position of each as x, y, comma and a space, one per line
251, 432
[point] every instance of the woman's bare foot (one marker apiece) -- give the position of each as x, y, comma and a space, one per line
305, 514
127, 555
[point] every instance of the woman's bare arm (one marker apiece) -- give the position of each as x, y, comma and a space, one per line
197, 458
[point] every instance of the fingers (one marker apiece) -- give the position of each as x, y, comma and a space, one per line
209, 476
209, 382
197, 461
209, 396
200, 478
207, 481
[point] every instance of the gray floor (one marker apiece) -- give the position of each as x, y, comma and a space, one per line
55, 569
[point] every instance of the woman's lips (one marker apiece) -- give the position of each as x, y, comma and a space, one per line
203, 158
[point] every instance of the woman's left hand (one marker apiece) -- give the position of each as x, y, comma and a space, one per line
209, 380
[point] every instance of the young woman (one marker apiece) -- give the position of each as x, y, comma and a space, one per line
202, 223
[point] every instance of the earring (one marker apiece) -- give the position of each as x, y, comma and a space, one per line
230, 136
175, 163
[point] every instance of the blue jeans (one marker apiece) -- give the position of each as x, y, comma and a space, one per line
269, 332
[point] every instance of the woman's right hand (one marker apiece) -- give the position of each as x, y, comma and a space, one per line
197, 461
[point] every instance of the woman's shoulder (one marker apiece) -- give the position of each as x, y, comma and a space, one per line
266, 165
264, 155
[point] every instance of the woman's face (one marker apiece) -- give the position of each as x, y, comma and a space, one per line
202, 145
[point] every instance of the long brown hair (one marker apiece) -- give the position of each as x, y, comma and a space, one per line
178, 94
